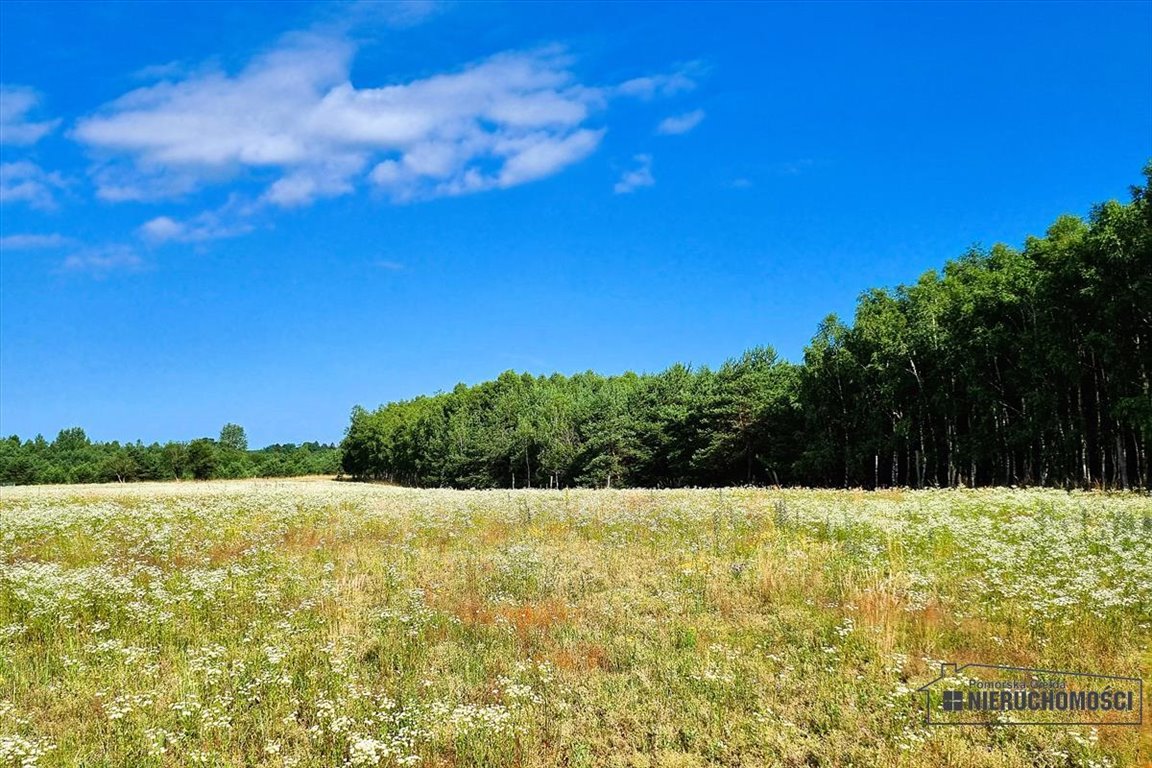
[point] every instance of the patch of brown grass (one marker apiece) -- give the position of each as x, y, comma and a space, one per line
582, 657
226, 551
537, 617
494, 534
529, 619
303, 538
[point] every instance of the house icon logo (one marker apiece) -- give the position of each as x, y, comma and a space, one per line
992, 694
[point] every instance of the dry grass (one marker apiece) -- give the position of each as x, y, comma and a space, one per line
325, 624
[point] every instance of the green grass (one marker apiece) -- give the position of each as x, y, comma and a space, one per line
331, 624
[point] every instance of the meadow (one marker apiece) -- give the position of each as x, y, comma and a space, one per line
292, 623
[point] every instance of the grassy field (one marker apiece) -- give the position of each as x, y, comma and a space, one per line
331, 624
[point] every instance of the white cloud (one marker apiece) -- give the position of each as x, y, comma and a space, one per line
31, 242
537, 155
293, 121
405, 13
25, 182
640, 176
167, 71
329, 178
15, 127
100, 262
210, 225
655, 86
118, 183
162, 228
678, 124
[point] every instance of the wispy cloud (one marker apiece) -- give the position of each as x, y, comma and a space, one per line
293, 114
681, 80
25, 182
103, 261
391, 266
34, 242
173, 69
15, 126
404, 13
640, 176
227, 221
94, 261
195, 230
678, 124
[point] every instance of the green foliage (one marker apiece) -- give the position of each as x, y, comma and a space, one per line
73, 458
232, 437
202, 458
1007, 367
1010, 367
680, 427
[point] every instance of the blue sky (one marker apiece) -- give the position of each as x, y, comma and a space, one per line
269, 213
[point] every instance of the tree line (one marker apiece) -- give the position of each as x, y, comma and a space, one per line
1010, 366
73, 458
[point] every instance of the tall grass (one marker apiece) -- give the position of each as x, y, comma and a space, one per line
309, 624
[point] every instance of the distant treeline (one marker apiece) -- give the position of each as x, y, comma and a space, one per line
1011, 366
73, 458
